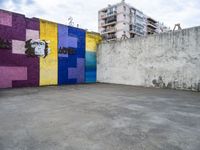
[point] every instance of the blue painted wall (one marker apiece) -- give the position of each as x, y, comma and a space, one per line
71, 67
90, 67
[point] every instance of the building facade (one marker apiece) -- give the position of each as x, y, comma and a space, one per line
124, 21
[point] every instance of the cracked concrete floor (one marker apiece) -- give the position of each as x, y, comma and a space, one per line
99, 117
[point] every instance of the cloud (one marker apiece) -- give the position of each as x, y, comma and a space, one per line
172, 11
85, 13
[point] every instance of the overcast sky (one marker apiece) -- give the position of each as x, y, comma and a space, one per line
84, 12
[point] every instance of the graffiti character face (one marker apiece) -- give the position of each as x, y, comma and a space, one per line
37, 48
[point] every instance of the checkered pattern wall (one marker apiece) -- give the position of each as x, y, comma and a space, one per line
16, 69
68, 62
71, 68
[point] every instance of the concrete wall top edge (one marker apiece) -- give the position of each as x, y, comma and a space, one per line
6, 11
41, 19
153, 35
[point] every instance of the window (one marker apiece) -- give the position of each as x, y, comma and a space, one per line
124, 8
124, 16
112, 10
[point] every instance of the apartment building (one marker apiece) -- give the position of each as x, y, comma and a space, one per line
124, 21
152, 25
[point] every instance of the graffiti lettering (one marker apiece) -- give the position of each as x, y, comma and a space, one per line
65, 50
5, 44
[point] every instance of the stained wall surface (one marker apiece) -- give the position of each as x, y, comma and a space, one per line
168, 60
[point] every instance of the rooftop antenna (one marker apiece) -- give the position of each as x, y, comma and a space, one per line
177, 25
71, 23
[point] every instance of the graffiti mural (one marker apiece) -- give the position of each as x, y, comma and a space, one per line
37, 52
49, 65
92, 40
5, 44
71, 55
37, 48
65, 50
16, 69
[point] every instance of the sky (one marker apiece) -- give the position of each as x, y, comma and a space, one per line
85, 12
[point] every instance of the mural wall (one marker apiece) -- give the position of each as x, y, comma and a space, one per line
16, 68
49, 64
92, 39
71, 55
35, 52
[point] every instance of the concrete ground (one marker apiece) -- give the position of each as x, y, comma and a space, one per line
99, 117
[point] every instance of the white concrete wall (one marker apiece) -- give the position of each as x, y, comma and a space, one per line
166, 60
121, 18
120, 8
120, 33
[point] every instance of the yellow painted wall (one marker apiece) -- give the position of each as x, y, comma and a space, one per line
92, 39
49, 64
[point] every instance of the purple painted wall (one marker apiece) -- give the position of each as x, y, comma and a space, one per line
16, 68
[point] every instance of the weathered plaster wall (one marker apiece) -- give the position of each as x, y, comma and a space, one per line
169, 60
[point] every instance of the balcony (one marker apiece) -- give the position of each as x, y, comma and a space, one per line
109, 21
136, 32
103, 24
151, 25
106, 15
108, 18
103, 16
109, 30
151, 31
109, 37
151, 20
